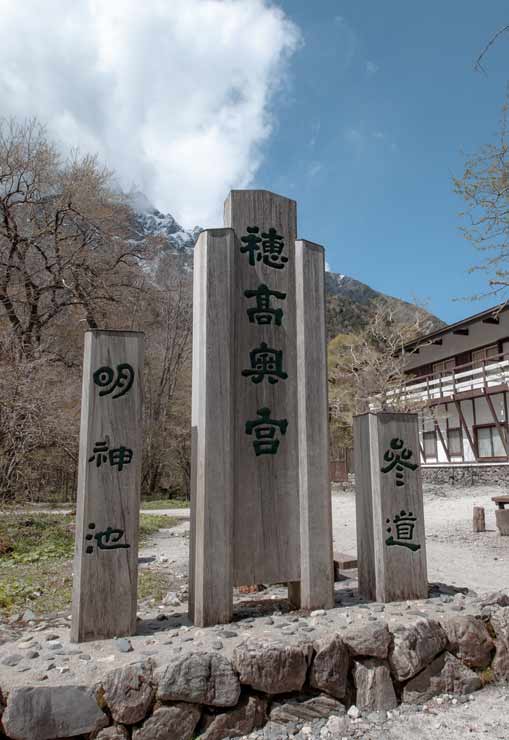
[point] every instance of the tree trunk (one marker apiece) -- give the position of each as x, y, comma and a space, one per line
154, 479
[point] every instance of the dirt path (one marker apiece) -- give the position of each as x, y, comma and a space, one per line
177, 513
168, 546
456, 555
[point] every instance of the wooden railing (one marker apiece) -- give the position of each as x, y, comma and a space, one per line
447, 384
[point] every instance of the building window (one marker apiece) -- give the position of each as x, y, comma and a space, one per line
455, 442
483, 355
429, 440
423, 370
488, 441
444, 366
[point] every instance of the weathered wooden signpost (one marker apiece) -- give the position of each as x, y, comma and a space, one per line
106, 559
261, 510
391, 542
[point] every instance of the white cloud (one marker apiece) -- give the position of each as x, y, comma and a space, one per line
175, 96
314, 169
358, 138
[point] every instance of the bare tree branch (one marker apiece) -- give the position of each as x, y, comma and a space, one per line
478, 66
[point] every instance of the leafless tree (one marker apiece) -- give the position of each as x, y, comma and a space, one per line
367, 370
484, 186
39, 424
62, 251
167, 426
71, 259
478, 63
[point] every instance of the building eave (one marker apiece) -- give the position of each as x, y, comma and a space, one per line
427, 338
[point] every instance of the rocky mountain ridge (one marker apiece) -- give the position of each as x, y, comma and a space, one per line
149, 221
350, 303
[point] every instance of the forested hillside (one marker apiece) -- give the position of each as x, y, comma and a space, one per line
350, 303
76, 255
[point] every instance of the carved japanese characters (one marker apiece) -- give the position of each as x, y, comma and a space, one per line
105, 569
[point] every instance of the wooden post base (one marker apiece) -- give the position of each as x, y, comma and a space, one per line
478, 520
294, 594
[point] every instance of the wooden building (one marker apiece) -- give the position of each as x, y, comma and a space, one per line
459, 375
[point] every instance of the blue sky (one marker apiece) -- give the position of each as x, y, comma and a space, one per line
380, 105
376, 107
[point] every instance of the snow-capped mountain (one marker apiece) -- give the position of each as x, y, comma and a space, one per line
149, 221
350, 303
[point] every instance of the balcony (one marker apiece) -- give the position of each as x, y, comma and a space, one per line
465, 381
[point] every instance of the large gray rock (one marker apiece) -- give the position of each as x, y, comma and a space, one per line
335, 728
129, 692
370, 640
115, 732
248, 715
445, 675
414, 647
500, 623
49, 712
469, 640
373, 683
318, 707
329, 671
199, 678
175, 722
272, 666
497, 598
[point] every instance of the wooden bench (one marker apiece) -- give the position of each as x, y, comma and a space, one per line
343, 561
502, 514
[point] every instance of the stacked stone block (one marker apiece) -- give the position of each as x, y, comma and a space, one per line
206, 695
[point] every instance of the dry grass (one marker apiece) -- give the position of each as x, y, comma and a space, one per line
36, 552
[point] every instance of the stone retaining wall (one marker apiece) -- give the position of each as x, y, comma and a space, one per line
454, 475
374, 666
466, 475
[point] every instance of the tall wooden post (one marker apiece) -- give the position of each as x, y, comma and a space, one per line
261, 500
391, 541
478, 519
266, 484
317, 576
108, 503
211, 550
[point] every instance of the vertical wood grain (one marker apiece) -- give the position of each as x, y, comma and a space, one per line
211, 550
404, 574
478, 519
266, 499
394, 571
105, 580
364, 507
294, 594
317, 572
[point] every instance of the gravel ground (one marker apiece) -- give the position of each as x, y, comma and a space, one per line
456, 557
455, 554
477, 717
